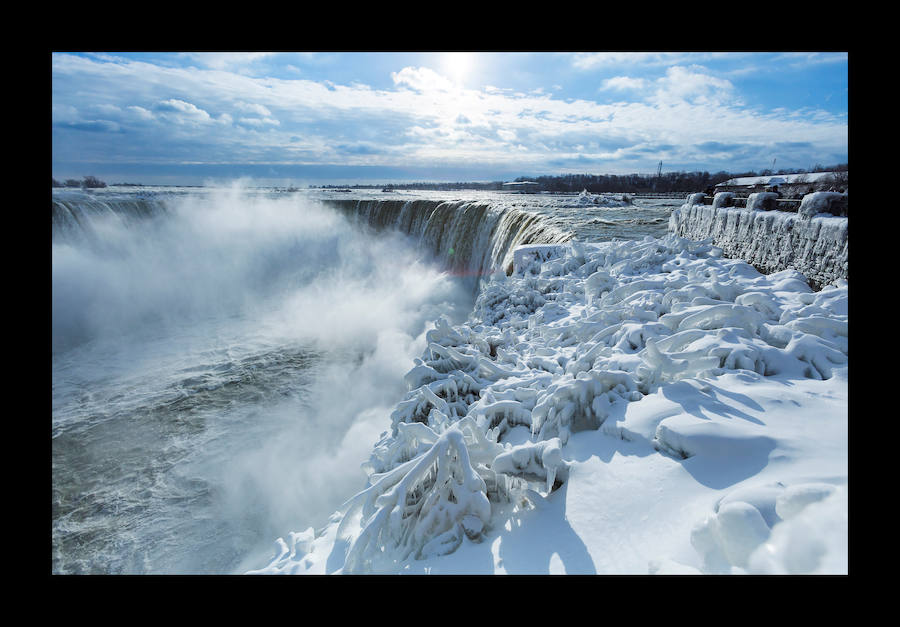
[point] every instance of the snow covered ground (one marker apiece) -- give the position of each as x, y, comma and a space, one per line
619, 408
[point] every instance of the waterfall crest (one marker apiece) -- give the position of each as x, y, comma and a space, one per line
469, 238
74, 215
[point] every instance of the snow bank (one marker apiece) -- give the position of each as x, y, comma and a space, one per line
784, 530
811, 241
624, 407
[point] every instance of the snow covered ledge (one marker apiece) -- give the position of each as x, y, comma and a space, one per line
811, 241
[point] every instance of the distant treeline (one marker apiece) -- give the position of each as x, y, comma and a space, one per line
665, 182
596, 183
88, 181
419, 185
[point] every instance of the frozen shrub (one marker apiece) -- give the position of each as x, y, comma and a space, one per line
532, 461
420, 508
582, 403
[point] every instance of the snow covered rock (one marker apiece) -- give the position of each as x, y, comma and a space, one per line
819, 203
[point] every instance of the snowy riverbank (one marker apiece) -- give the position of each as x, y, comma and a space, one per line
618, 408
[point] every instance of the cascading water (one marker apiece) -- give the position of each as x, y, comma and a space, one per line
223, 361
471, 239
75, 215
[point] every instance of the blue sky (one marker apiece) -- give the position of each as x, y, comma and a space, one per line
308, 118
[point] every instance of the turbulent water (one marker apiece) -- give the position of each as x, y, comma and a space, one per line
224, 359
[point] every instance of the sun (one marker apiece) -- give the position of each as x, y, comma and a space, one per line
457, 65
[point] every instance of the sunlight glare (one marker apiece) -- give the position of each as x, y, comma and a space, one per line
456, 65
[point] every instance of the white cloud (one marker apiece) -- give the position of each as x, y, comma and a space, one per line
800, 60
258, 122
421, 113
106, 109
227, 60
181, 111
62, 113
691, 84
594, 60
254, 108
140, 112
422, 79
623, 83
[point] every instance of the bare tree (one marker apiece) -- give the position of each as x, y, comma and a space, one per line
92, 182
840, 180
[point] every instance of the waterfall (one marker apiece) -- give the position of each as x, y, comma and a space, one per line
468, 238
75, 215
471, 239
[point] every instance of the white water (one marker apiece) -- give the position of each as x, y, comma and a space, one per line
220, 371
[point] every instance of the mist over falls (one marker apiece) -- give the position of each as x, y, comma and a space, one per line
222, 364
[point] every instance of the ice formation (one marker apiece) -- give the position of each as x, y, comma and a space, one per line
563, 345
469, 238
605, 200
812, 240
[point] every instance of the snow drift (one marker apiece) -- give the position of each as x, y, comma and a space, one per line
595, 386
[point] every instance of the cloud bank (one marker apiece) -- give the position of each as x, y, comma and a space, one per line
629, 112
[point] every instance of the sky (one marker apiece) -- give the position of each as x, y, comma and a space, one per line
284, 118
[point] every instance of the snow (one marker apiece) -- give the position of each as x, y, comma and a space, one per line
781, 179
761, 201
615, 408
818, 203
586, 198
813, 241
